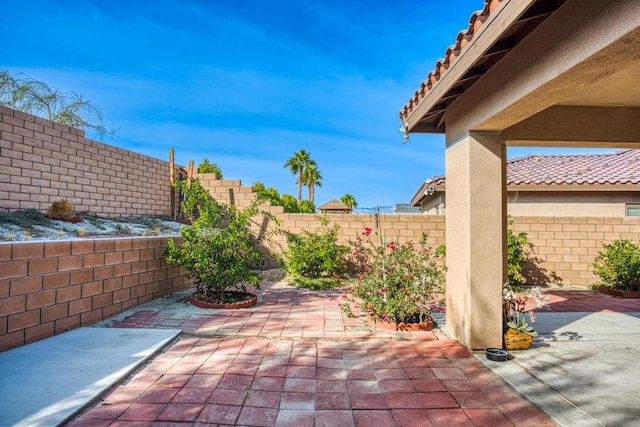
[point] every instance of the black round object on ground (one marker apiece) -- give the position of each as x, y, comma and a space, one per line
496, 354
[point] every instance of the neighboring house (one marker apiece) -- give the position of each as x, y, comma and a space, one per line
405, 209
334, 206
559, 185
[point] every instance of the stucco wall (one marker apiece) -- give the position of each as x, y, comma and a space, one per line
554, 203
47, 288
42, 161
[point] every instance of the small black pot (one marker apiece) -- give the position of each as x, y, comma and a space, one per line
496, 354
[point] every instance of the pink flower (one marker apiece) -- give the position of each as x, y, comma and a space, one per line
367, 231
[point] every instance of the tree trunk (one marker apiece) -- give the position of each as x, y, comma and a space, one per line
300, 185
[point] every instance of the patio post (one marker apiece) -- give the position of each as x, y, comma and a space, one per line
475, 238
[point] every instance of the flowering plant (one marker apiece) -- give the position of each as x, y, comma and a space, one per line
514, 302
397, 281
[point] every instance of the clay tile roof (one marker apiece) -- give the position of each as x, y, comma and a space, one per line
476, 21
621, 167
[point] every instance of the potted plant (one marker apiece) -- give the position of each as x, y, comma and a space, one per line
218, 250
519, 333
397, 282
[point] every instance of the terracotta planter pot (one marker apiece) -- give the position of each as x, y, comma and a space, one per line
250, 302
514, 340
407, 327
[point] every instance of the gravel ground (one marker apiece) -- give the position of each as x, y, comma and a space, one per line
39, 228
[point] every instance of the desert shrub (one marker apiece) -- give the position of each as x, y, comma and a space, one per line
61, 209
618, 265
315, 255
218, 250
27, 218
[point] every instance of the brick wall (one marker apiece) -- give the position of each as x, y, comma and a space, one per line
47, 288
42, 161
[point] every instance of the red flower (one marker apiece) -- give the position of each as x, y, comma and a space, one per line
367, 231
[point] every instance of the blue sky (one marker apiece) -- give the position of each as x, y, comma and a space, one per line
248, 83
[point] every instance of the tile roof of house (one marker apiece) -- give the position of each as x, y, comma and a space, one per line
621, 167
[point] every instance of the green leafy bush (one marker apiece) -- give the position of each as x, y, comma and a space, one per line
207, 167
618, 265
398, 281
315, 255
287, 201
516, 255
218, 250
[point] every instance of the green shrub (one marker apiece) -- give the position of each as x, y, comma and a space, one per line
207, 167
618, 265
315, 255
516, 246
218, 250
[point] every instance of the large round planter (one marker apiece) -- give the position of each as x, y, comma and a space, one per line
407, 327
250, 302
514, 340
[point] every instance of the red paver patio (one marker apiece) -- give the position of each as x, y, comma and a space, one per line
294, 360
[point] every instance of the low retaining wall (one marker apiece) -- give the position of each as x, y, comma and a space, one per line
47, 288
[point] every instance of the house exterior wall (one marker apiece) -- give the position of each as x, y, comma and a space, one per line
42, 161
553, 203
47, 288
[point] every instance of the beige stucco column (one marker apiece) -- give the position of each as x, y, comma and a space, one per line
476, 232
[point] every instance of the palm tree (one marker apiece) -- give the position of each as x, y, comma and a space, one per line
312, 177
349, 201
297, 164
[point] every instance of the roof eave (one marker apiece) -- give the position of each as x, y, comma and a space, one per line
426, 112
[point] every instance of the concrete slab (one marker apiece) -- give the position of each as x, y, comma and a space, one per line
48, 382
582, 369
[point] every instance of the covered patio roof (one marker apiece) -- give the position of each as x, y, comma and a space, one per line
596, 80
556, 73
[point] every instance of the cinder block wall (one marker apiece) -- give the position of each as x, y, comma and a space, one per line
562, 252
47, 288
42, 161
400, 228
564, 247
